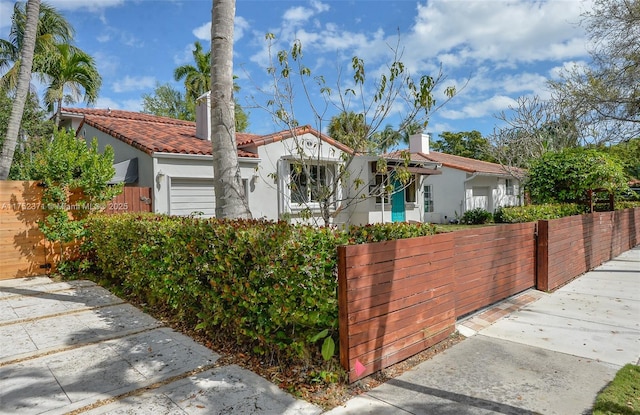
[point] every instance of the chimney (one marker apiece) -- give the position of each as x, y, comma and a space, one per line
203, 114
419, 143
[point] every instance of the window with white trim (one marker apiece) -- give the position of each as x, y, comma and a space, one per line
428, 199
309, 182
510, 187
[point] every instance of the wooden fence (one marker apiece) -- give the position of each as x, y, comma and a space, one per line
398, 298
571, 246
24, 251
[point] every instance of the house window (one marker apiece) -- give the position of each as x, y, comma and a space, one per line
510, 187
428, 199
307, 183
379, 188
410, 191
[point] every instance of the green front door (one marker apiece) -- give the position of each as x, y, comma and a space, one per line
397, 203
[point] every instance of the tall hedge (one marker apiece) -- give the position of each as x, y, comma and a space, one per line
270, 286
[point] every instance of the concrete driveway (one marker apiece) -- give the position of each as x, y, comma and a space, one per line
74, 347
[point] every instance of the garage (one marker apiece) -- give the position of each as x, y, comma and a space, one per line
192, 197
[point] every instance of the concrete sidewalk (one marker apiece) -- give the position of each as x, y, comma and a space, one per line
74, 347
551, 356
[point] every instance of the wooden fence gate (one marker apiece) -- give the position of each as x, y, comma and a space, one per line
24, 251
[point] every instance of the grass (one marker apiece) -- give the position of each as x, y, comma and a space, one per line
443, 228
622, 395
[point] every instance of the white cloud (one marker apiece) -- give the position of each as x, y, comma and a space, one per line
499, 31
134, 83
479, 109
240, 26
184, 57
106, 63
320, 6
104, 102
127, 104
300, 14
203, 32
132, 105
90, 5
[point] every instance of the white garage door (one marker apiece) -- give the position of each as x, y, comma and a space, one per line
192, 197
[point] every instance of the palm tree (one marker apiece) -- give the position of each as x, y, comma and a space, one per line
230, 202
387, 138
28, 44
197, 79
52, 28
72, 70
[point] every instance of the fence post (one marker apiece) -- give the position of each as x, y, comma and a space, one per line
542, 255
343, 312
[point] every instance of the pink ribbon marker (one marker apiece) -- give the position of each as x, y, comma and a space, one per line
359, 368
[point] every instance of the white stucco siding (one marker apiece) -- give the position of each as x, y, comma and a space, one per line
506, 197
490, 193
187, 170
270, 183
448, 194
122, 152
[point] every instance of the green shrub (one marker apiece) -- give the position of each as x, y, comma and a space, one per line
388, 231
271, 287
531, 213
477, 216
626, 204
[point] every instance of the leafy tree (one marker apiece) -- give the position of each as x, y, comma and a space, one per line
349, 128
67, 164
22, 89
70, 69
372, 100
34, 128
468, 144
166, 101
529, 130
606, 94
567, 176
229, 193
629, 155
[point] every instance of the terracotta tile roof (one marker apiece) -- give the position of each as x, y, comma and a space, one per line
456, 162
305, 129
153, 134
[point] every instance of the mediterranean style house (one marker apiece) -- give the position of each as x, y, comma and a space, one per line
174, 158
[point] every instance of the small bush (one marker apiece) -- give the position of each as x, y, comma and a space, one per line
477, 216
531, 213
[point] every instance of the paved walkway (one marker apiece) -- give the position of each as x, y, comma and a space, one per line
74, 347
537, 353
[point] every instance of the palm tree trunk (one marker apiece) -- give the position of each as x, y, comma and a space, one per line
230, 201
24, 81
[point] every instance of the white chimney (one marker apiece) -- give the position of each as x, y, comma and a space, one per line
419, 143
203, 114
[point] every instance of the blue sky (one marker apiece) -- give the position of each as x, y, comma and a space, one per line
501, 49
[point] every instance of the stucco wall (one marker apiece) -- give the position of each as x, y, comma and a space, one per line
270, 186
122, 152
